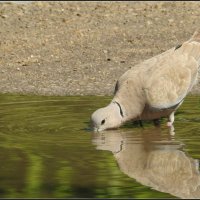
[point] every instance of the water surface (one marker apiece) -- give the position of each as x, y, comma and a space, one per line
46, 150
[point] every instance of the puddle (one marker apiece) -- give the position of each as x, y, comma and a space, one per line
46, 151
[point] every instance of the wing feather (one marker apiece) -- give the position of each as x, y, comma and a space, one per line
171, 80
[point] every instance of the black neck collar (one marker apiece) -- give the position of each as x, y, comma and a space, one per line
120, 108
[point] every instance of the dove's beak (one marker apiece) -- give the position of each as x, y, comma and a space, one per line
95, 129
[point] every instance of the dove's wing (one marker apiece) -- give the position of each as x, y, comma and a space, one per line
172, 77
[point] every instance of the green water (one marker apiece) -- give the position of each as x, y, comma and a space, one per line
46, 150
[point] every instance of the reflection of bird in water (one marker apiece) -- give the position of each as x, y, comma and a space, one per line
154, 160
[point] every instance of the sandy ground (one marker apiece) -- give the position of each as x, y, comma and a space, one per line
82, 48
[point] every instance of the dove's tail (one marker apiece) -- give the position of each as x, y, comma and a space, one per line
195, 37
192, 46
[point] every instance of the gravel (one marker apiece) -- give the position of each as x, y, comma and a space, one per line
82, 48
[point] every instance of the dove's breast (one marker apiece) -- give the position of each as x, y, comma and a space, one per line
150, 113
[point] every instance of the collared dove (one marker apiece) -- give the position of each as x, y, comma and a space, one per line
154, 88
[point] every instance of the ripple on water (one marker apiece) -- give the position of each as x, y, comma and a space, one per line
46, 151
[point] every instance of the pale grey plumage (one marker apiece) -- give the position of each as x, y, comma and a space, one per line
153, 88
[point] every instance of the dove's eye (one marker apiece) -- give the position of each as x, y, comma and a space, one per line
103, 121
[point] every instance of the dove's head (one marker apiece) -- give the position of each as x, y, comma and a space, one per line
108, 117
